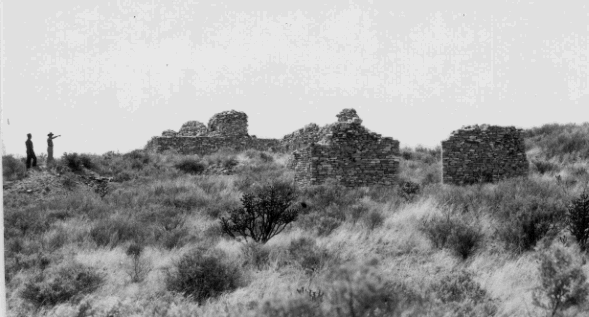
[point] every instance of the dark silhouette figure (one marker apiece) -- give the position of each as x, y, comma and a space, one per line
30, 152
50, 146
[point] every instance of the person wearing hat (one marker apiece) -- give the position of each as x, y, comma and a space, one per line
50, 146
30, 152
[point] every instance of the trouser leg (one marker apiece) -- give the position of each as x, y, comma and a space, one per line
29, 161
34, 160
49, 154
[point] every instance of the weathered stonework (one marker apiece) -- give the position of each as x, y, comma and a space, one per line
227, 129
483, 154
228, 123
193, 128
311, 133
203, 145
169, 133
350, 154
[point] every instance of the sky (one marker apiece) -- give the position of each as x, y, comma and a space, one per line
109, 75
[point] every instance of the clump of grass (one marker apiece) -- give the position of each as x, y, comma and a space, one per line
66, 282
201, 276
454, 233
190, 166
305, 252
544, 167
111, 232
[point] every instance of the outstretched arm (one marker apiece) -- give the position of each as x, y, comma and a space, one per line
55, 137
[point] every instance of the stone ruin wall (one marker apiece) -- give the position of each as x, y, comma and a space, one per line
227, 129
348, 153
203, 145
483, 154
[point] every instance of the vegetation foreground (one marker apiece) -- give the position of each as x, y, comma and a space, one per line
229, 235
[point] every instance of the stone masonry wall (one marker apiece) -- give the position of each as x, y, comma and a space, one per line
203, 145
349, 153
483, 154
226, 129
226, 123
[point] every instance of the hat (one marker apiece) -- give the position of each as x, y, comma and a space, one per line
50, 134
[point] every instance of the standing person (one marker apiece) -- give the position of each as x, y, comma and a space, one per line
30, 152
50, 146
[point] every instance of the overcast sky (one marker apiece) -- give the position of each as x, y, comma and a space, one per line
109, 75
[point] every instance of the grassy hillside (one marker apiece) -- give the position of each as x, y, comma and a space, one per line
151, 242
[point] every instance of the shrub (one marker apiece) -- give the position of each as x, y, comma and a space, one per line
200, 276
438, 229
25, 221
453, 233
409, 189
522, 233
190, 166
373, 220
463, 296
544, 166
563, 283
464, 239
256, 255
578, 220
265, 213
459, 286
76, 162
114, 231
323, 222
12, 168
139, 157
138, 268
64, 283
305, 252
363, 292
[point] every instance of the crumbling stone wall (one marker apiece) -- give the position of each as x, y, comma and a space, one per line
227, 129
203, 145
169, 133
311, 133
349, 153
193, 128
483, 154
228, 123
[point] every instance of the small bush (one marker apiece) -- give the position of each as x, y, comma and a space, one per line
64, 283
26, 221
464, 240
305, 252
76, 162
114, 231
522, 233
578, 220
138, 156
190, 166
373, 220
544, 166
138, 268
200, 276
256, 255
563, 283
458, 287
265, 213
438, 229
12, 168
409, 189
